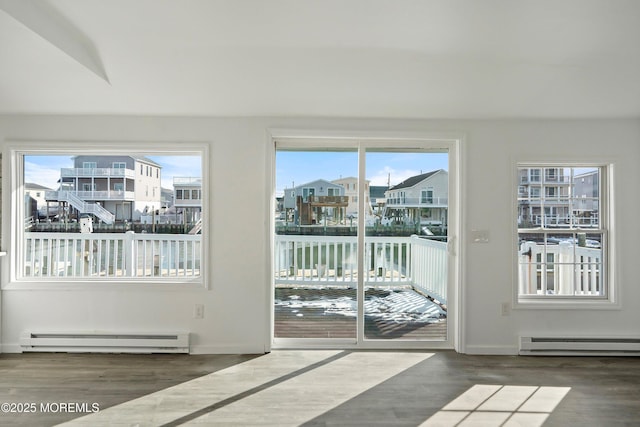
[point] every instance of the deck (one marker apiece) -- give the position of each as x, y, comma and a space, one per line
395, 313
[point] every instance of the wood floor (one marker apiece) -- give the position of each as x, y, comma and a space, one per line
319, 388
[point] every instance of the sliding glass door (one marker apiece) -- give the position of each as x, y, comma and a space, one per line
405, 253
315, 293
360, 247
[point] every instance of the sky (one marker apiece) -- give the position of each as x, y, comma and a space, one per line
294, 168
45, 170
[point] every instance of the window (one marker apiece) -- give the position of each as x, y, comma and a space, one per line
534, 175
551, 174
119, 165
307, 192
550, 192
427, 196
563, 238
89, 165
534, 192
123, 244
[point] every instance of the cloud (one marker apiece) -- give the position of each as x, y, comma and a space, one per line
40, 174
389, 174
178, 166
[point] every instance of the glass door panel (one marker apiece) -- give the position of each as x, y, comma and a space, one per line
405, 257
315, 254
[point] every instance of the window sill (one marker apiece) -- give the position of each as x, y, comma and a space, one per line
130, 285
567, 303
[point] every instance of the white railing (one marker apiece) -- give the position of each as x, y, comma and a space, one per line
564, 269
561, 220
429, 267
86, 207
389, 261
97, 172
111, 255
300, 259
94, 195
417, 201
187, 180
106, 195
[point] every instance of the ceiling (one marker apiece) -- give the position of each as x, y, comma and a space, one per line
330, 58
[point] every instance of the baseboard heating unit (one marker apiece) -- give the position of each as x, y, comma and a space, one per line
579, 346
103, 342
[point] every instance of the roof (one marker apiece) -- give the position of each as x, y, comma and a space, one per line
141, 159
147, 160
34, 186
410, 182
316, 183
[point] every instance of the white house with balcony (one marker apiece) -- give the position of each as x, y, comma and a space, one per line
110, 187
350, 185
419, 199
552, 184
308, 203
187, 197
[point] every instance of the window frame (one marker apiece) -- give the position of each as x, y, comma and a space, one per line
605, 228
16, 151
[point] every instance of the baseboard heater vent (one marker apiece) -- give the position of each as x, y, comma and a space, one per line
579, 346
105, 342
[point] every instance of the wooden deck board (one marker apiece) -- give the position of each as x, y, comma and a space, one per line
310, 322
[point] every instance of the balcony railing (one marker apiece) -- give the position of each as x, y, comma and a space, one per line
555, 179
97, 172
563, 269
111, 255
417, 202
92, 195
187, 181
389, 261
559, 221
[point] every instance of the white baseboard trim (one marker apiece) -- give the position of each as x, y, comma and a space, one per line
227, 349
195, 349
497, 350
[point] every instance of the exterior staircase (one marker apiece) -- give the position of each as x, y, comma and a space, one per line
86, 207
197, 227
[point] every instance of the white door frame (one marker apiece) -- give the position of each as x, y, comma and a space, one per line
453, 143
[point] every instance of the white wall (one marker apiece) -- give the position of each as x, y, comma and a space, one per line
236, 304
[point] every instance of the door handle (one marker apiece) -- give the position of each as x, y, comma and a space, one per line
451, 246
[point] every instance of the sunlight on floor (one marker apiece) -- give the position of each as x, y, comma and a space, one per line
500, 405
288, 388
